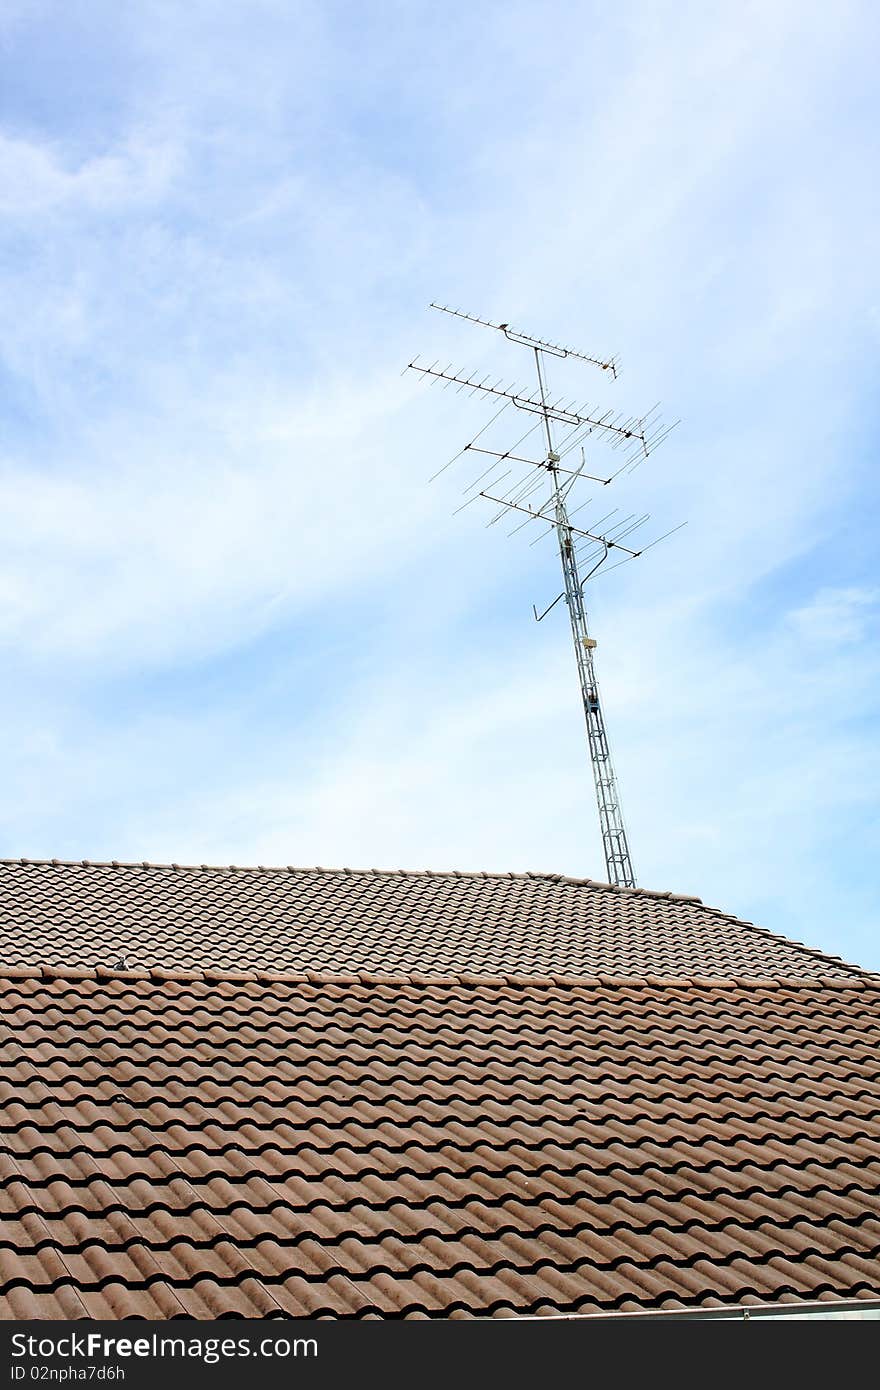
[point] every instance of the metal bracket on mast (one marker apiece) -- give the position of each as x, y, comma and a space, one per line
539, 617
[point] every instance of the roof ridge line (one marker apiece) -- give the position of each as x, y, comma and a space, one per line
163, 975
547, 876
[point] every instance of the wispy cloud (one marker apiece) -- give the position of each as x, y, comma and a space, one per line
837, 617
36, 180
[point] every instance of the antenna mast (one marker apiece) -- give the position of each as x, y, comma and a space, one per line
638, 437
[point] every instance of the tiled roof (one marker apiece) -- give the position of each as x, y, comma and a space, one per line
383, 1145
199, 917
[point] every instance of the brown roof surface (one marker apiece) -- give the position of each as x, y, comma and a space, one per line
383, 1145
197, 917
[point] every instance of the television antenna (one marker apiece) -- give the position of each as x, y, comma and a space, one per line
635, 438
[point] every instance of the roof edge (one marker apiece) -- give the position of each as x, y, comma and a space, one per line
160, 975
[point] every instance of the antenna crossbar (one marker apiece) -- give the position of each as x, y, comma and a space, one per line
572, 530
513, 335
537, 463
625, 429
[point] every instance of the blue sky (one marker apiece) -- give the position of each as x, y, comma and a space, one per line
237, 625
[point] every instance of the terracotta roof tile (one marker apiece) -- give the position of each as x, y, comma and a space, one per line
187, 1144
193, 917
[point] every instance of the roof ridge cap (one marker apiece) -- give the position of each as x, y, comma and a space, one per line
25, 861
162, 974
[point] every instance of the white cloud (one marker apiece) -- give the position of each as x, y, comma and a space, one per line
36, 179
836, 617
160, 556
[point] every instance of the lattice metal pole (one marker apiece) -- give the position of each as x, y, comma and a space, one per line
614, 842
